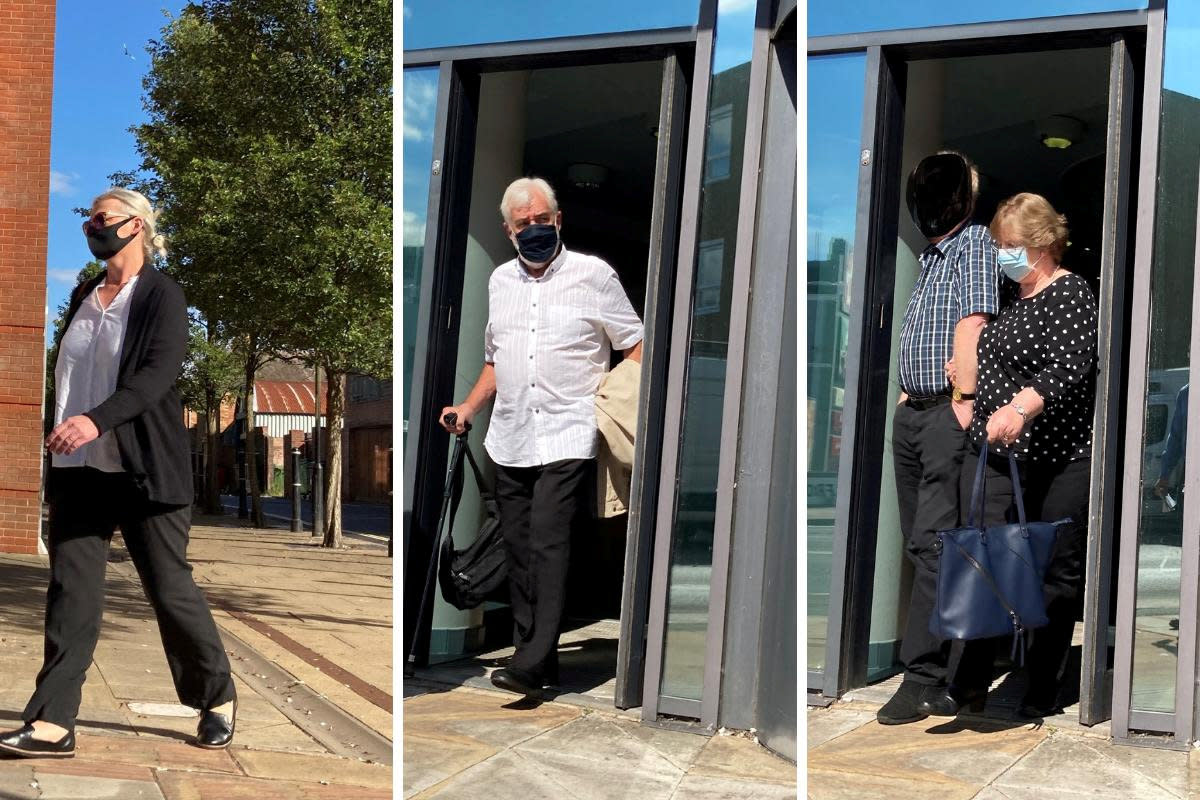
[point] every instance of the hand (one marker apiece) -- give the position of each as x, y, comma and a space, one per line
1161, 486
903, 399
1005, 425
464, 412
951, 372
963, 411
72, 434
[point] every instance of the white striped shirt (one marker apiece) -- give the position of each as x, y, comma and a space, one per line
550, 339
85, 374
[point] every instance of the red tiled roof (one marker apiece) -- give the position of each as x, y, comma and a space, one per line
285, 397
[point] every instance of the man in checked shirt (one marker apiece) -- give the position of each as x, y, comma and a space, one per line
554, 317
956, 293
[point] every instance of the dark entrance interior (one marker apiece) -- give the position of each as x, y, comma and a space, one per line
591, 131
1031, 121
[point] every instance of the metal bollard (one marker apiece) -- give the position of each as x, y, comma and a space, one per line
297, 524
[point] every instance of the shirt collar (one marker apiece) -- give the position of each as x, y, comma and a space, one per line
557, 263
945, 246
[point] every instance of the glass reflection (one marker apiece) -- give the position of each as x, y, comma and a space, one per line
696, 501
1160, 532
420, 109
828, 17
835, 87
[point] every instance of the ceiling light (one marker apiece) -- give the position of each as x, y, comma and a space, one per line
1060, 132
583, 175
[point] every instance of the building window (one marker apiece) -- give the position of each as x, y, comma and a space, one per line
709, 266
365, 389
720, 143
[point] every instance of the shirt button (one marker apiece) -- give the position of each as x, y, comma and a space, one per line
537, 411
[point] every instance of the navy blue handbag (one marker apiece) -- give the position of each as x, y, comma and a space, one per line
990, 578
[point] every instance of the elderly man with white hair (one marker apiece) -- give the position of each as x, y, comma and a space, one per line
554, 317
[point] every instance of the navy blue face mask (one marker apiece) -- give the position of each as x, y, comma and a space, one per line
537, 243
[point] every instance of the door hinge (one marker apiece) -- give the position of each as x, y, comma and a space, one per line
865, 158
437, 166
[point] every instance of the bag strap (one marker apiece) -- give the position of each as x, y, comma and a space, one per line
488, 497
977, 493
1018, 494
1018, 628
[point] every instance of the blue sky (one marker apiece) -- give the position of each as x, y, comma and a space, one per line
97, 97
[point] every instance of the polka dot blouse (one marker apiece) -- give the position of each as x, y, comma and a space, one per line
1048, 342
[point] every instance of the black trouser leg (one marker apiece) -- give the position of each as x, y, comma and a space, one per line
1054, 496
514, 499
157, 538
927, 447
551, 498
79, 533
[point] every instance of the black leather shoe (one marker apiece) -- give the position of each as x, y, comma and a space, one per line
904, 705
512, 679
948, 702
1035, 705
215, 731
21, 743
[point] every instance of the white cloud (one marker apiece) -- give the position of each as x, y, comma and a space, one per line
420, 103
63, 182
414, 228
407, 12
67, 276
726, 7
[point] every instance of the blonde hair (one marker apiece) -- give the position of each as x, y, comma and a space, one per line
518, 194
136, 204
1034, 222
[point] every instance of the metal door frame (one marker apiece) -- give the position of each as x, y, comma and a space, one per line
441, 291
854, 534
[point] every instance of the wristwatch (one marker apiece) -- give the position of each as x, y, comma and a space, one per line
958, 395
1020, 409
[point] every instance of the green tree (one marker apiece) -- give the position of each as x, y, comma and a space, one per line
270, 139
211, 375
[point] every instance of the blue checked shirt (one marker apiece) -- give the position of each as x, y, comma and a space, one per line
959, 277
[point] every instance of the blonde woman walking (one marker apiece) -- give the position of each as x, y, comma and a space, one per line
121, 458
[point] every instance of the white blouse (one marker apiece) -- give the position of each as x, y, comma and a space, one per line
550, 340
85, 373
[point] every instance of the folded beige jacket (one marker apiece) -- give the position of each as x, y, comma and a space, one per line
616, 418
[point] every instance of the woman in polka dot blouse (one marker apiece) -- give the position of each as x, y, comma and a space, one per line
1036, 398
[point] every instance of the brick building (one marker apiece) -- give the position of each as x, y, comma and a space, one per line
27, 64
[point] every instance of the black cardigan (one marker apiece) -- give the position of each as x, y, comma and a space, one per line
145, 413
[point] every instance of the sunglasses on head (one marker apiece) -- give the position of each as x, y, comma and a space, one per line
102, 219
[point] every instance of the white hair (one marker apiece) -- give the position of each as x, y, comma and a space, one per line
136, 204
518, 194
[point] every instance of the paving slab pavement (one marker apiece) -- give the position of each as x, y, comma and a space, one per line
322, 617
983, 757
466, 742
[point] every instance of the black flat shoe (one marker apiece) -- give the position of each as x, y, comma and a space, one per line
516, 680
21, 743
215, 730
949, 702
903, 707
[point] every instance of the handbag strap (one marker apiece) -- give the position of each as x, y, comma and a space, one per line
1018, 653
1018, 494
488, 497
977, 493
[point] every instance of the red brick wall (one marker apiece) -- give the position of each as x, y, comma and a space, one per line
27, 64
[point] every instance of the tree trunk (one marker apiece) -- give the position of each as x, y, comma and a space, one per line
256, 509
335, 417
212, 435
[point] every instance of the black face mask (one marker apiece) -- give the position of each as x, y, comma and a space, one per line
104, 242
939, 194
537, 243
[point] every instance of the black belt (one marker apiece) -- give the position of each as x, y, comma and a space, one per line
925, 403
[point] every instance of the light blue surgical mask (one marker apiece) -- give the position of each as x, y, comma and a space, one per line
1015, 263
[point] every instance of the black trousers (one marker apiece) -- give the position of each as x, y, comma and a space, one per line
928, 447
85, 507
539, 507
1051, 493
